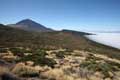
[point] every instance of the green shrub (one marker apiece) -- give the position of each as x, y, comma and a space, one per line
40, 52
39, 58
69, 50
19, 51
16, 50
117, 65
60, 54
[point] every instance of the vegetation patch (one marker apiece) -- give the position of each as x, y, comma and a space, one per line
60, 54
39, 58
95, 64
19, 51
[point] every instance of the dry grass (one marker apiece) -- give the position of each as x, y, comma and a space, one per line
25, 71
56, 74
3, 70
29, 63
59, 74
9, 58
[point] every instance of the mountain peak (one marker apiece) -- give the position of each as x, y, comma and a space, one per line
30, 25
26, 21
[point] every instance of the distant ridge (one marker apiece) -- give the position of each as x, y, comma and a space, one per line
76, 32
30, 25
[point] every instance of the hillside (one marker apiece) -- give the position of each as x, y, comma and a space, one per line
12, 37
56, 55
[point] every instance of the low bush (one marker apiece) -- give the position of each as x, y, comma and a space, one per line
19, 51
60, 54
39, 58
68, 50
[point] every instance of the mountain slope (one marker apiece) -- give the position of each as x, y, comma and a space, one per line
30, 25
12, 37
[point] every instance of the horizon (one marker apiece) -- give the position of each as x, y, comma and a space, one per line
97, 31
93, 15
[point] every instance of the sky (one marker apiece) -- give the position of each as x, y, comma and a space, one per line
80, 15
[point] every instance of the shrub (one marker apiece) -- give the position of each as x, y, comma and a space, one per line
39, 58
19, 51
69, 50
60, 54
41, 52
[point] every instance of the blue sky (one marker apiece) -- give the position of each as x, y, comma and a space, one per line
81, 15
